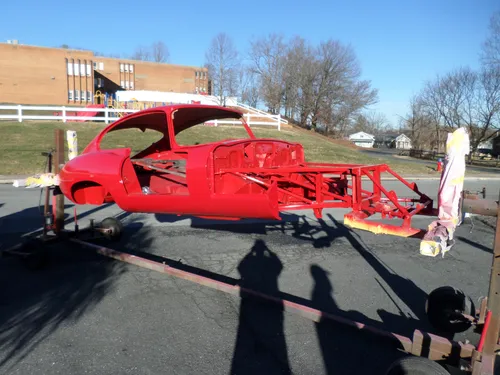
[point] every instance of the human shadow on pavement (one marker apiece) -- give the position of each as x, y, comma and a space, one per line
405, 289
260, 345
322, 235
260, 342
345, 351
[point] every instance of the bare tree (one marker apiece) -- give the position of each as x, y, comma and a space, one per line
267, 55
157, 52
466, 98
340, 94
160, 53
296, 70
317, 86
352, 99
490, 55
141, 53
372, 122
223, 63
249, 87
422, 125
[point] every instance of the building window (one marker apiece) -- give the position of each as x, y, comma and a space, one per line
83, 95
122, 83
126, 67
89, 96
126, 84
101, 66
132, 85
121, 67
76, 69
70, 95
82, 69
131, 68
70, 69
77, 95
95, 64
88, 70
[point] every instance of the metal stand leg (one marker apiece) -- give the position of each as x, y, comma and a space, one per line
484, 357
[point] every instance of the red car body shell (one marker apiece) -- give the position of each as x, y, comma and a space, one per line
98, 176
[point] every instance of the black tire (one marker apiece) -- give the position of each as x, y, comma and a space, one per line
444, 306
115, 226
416, 366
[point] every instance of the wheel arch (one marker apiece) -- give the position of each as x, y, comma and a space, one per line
89, 192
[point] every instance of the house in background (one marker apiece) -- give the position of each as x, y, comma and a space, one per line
491, 146
486, 145
384, 140
402, 142
362, 139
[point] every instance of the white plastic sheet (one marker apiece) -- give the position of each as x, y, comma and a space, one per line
441, 232
452, 179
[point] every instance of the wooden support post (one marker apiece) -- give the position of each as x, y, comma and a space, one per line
483, 360
47, 214
491, 339
59, 198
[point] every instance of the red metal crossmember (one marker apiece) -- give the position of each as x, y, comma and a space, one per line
320, 186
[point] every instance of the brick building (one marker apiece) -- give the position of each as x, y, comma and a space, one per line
59, 76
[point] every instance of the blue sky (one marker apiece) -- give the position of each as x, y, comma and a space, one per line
400, 44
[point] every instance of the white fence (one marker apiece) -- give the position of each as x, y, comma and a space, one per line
274, 120
261, 112
111, 115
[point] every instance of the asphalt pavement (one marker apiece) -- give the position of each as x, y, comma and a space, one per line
85, 314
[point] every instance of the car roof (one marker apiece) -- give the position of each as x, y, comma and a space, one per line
184, 119
174, 107
212, 112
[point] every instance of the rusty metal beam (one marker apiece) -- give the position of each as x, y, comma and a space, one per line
492, 333
436, 347
423, 344
486, 207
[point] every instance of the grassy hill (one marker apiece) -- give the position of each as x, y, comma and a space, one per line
21, 144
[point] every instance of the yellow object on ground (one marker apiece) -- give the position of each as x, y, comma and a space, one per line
40, 180
72, 144
430, 248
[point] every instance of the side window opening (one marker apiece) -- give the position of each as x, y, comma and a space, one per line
142, 134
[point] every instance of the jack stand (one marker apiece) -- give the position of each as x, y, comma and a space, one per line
32, 251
